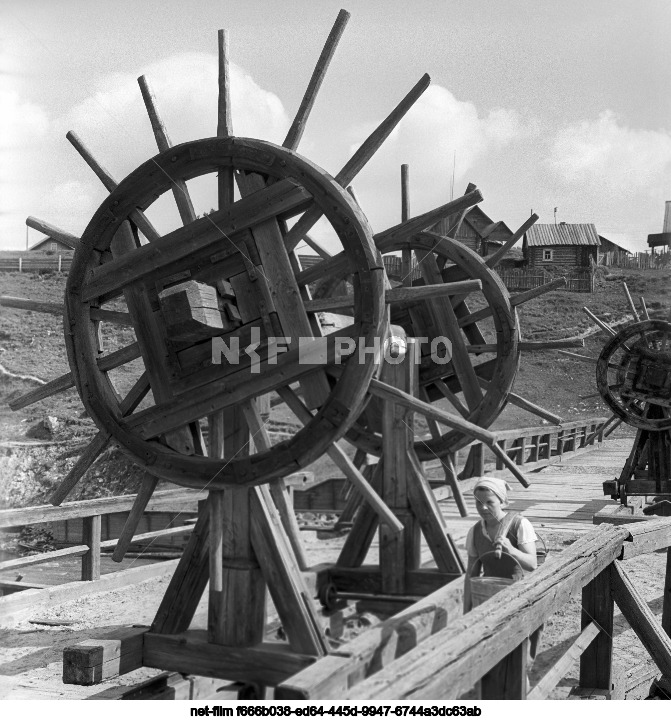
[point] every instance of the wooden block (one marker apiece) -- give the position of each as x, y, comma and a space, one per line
191, 312
95, 660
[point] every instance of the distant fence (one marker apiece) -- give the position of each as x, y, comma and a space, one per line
34, 263
639, 261
518, 280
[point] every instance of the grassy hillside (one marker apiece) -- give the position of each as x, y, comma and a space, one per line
31, 344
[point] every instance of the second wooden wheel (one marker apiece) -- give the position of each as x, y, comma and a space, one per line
477, 390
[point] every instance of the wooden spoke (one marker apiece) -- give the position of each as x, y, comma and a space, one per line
515, 300
180, 191
452, 398
108, 316
510, 465
99, 443
137, 216
397, 296
51, 230
384, 390
278, 489
533, 345
298, 126
632, 307
527, 405
319, 249
446, 322
220, 229
84, 462
493, 260
342, 460
577, 356
599, 322
365, 152
147, 488
406, 253
225, 179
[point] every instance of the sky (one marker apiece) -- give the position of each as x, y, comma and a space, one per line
543, 105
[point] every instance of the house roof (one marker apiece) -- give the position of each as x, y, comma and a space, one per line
49, 239
542, 234
617, 245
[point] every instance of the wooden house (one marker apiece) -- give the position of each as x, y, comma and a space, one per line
53, 245
478, 231
571, 245
607, 246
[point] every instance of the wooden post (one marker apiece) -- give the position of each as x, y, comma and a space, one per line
20, 265
398, 552
91, 538
666, 608
499, 462
508, 679
60, 262
597, 606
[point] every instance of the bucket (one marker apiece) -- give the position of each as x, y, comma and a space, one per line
484, 587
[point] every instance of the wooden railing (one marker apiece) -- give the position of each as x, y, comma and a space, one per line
35, 262
539, 446
431, 652
91, 512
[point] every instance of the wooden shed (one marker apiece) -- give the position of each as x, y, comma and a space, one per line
571, 245
608, 246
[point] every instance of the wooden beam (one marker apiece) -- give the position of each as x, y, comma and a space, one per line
552, 677
493, 260
268, 664
637, 612
108, 316
91, 559
144, 494
597, 607
525, 404
647, 537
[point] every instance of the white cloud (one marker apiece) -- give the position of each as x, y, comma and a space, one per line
614, 156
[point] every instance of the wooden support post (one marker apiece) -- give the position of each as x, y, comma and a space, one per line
502, 445
666, 609
596, 662
91, 538
508, 679
406, 255
399, 552
535, 446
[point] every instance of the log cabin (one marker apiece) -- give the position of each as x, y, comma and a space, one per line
572, 245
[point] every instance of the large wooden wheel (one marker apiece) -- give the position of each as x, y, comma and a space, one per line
240, 247
633, 375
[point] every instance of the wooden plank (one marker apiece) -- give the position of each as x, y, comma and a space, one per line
37, 306
19, 606
267, 663
24, 561
552, 677
450, 662
15, 517
91, 538
332, 676
637, 612
95, 660
52, 231
666, 607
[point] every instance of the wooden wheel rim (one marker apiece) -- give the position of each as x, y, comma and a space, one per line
501, 372
605, 361
139, 190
